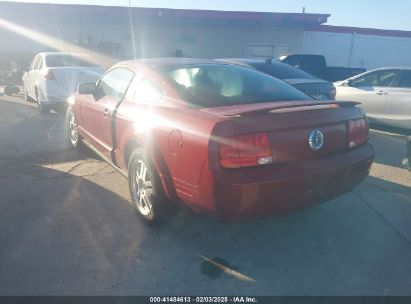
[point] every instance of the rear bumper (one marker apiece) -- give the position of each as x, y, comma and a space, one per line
282, 188
53, 93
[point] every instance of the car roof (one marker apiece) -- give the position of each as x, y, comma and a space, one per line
162, 63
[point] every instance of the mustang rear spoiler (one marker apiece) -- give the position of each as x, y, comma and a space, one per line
272, 107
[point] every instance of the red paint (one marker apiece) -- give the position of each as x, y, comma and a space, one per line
185, 146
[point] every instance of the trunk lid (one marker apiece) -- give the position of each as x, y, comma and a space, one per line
290, 124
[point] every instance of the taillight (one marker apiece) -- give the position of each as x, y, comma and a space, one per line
47, 74
357, 132
246, 151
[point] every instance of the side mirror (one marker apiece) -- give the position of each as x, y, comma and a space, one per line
87, 88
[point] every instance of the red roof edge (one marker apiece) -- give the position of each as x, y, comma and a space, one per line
360, 30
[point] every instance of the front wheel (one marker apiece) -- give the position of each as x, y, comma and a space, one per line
72, 129
145, 187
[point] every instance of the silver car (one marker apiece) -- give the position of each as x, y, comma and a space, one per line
385, 95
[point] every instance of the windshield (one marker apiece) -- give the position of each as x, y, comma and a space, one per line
281, 71
57, 61
223, 85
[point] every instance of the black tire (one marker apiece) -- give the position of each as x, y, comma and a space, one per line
152, 207
73, 135
43, 109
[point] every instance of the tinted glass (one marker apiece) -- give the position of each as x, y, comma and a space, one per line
377, 78
114, 84
405, 81
281, 71
221, 85
56, 61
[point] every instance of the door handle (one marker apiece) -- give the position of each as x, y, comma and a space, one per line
106, 113
382, 93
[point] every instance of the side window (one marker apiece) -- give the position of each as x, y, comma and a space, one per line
114, 84
295, 61
405, 81
375, 79
148, 92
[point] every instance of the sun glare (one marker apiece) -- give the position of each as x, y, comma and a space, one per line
57, 44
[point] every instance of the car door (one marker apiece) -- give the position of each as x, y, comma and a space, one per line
143, 98
371, 91
399, 102
97, 113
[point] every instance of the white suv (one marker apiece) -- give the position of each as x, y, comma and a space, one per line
54, 76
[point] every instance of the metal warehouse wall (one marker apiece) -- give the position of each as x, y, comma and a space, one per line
119, 33
214, 40
359, 50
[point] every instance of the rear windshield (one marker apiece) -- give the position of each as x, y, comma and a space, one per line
281, 71
221, 85
58, 61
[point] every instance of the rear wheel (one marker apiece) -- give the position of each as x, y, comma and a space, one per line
43, 109
145, 187
72, 130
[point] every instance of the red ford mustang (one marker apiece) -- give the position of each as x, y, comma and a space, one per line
223, 139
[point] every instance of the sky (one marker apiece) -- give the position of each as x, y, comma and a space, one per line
394, 14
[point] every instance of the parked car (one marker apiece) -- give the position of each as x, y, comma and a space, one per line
223, 139
384, 93
313, 86
317, 66
52, 77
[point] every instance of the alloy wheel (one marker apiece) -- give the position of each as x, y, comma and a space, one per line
73, 131
142, 188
